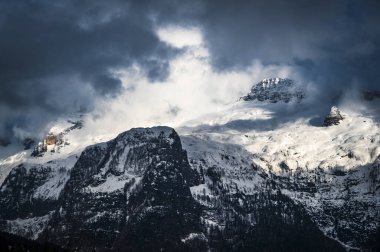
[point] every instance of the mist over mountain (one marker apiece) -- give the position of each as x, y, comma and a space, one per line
66, 57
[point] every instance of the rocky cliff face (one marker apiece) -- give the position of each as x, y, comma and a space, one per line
243, 207
344, 204
29, 195
131, 193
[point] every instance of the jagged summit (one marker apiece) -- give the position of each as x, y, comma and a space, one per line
275, 90
145, 134
55, 139
333, 118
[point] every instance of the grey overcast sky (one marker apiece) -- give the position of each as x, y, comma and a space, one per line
60, 57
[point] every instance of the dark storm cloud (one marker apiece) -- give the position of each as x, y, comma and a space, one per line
107, 85
333, 43
156, 69
60, 56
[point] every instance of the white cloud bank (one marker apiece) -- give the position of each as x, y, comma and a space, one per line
192, 89
180, 37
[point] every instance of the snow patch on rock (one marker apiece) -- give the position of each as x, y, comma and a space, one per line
29, 228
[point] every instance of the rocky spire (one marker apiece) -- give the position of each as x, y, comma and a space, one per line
333, 118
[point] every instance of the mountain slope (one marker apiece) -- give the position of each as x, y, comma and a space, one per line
139, 192
134, 188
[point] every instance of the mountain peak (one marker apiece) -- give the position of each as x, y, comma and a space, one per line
275, 90
333, 118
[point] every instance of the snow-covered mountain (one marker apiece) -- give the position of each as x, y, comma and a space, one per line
275, 90
262, 174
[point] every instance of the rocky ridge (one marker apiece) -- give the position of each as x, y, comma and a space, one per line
275, 90
139, 191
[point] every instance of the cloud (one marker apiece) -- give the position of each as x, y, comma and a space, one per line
192, 89
106, 85
179, 36
60, 57
331, 42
